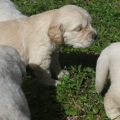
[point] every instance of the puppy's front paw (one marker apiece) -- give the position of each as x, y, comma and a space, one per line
57, 82
51, 82
62, 73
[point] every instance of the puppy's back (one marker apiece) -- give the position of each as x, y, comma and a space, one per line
11, 58
108, 60
13, 105
9, 11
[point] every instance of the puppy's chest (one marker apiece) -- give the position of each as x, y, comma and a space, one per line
46, 49
52, 48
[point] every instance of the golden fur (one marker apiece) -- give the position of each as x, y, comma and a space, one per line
37, 38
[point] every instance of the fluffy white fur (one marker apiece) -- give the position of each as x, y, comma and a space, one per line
37, 38
13, 105
9, 11
109, 60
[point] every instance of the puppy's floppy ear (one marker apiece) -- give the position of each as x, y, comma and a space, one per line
55, 34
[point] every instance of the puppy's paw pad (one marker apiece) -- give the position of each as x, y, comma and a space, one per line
62, 73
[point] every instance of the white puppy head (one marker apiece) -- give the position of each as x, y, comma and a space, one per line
72, 26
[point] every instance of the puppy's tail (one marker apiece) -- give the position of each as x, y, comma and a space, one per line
102, 70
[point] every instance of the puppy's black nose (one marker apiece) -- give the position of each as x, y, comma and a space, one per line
95, 36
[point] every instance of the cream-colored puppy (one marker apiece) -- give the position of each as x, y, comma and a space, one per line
13, 104
9, 11
37, 38
109, 60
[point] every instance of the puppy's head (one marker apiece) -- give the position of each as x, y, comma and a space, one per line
72, 26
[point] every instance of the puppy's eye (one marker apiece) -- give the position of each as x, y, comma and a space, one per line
79, 29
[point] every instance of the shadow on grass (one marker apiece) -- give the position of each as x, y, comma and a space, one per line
42, 100
83, 58
78, 58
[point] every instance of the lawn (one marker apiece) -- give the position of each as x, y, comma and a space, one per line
75, 98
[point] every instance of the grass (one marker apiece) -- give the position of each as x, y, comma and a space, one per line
75, 98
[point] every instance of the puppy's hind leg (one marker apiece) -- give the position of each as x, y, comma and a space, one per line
111, 107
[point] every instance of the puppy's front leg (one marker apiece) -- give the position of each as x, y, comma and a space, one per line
42, 71
55, 67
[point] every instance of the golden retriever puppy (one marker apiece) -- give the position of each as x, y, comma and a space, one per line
37, 38
13, 104
109, 60
9, 11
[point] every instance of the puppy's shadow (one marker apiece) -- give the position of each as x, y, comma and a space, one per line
82, 58
78, 58
42, 100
